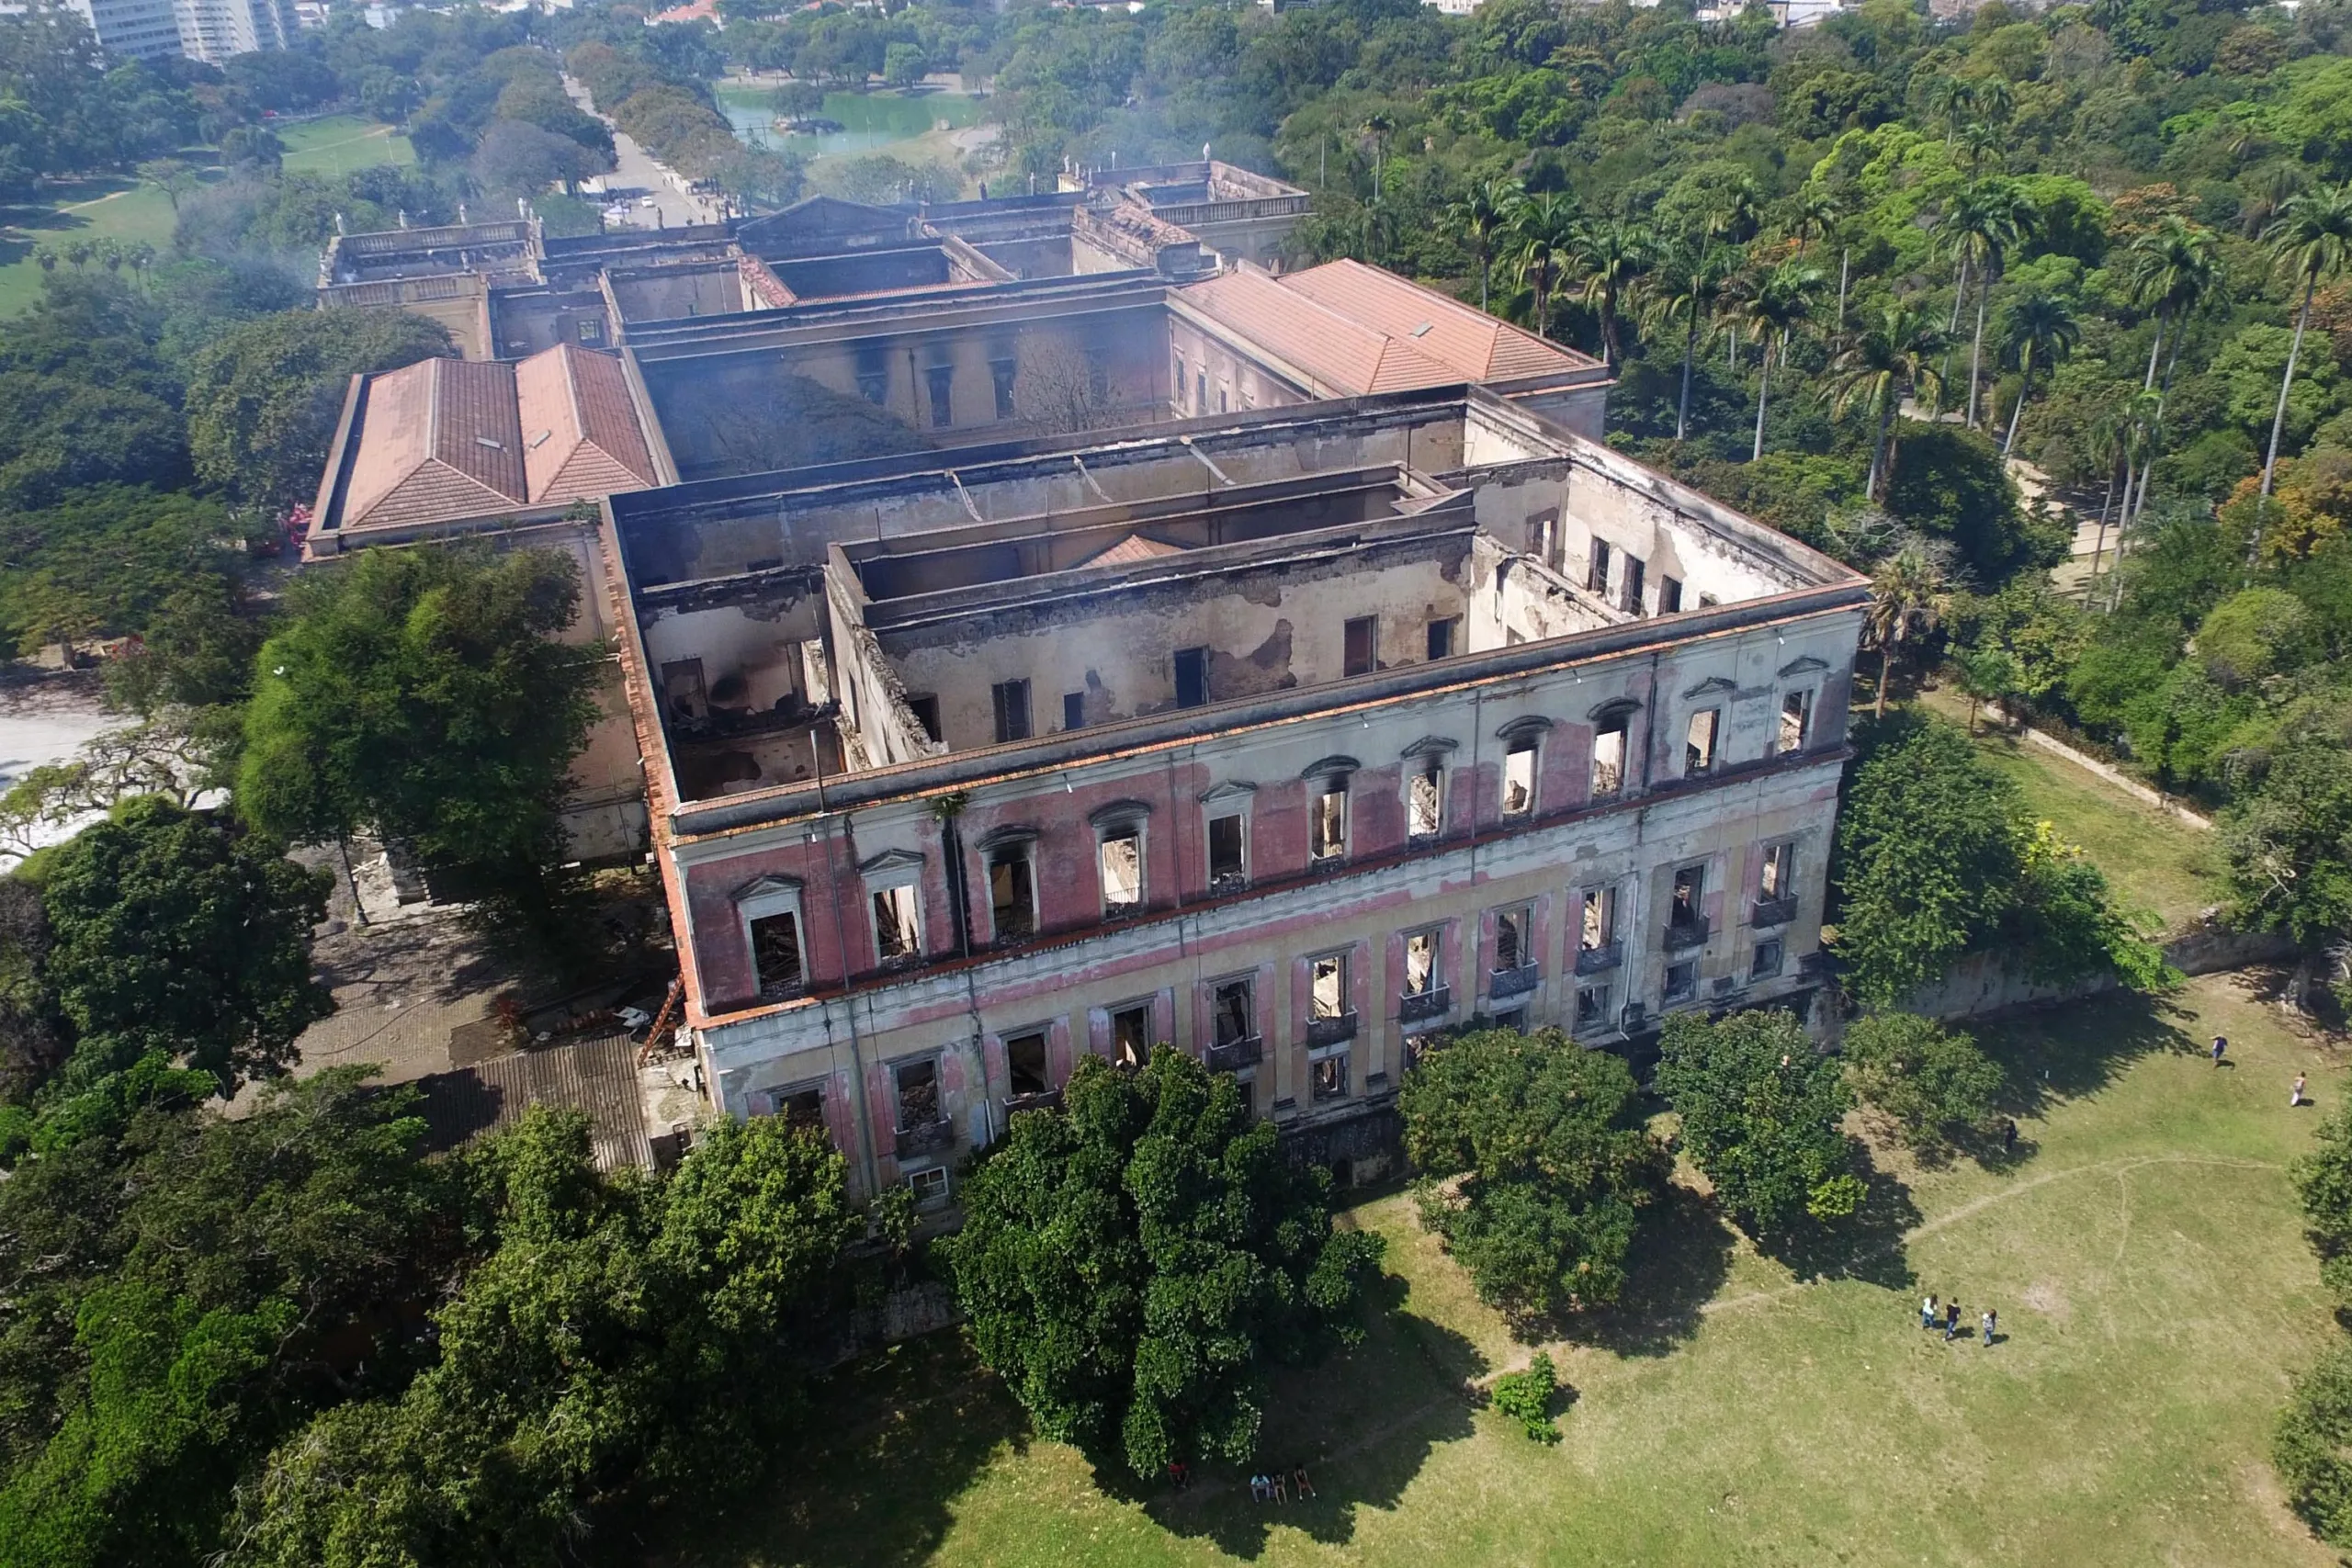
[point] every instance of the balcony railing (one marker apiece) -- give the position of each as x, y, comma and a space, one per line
1330, 1031
1435, 1002
1502, 983
1235, 1054
1044, 1100
1774, 911
1593, 960
1681, 934
926, 1138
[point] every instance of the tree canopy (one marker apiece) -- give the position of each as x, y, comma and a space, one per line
1132, 1262
1760, 1108
1535, 1165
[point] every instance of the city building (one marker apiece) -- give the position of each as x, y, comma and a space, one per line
1027, 656
213, 30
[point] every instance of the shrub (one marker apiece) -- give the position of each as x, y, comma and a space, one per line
1526, 1398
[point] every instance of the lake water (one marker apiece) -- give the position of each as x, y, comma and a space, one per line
43, 722
871, 121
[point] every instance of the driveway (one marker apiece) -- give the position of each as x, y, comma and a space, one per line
640, 174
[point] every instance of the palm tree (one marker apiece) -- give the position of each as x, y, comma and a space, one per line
2266, 197
1977, 228
2039, 328
2133, 434
1481, 218
1614, 258
2171, 268
1781, 301
1877, 367
1691, 287
1815, 216
2312, 242
1908, 594
1541, 240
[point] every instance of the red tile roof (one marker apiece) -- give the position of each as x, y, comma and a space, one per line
581, 437
1344, 356
1129, 551
1357, 329
445, 440
437, 439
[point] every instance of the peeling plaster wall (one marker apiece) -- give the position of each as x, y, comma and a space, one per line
1080, 968
760, 642
1266, 630
1233, 380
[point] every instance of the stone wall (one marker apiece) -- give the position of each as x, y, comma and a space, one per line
1981, 984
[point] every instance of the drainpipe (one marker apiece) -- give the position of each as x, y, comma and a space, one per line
948, 809
849, 1011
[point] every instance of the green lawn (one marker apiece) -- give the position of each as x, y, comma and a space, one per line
341, 143
126, 210
2157, 861
2144, 1252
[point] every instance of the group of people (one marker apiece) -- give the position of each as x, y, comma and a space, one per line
2220, 1053
1948, 1319
1270, 1487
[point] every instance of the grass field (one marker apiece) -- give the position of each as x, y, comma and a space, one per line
128, 210
2143, 1249
2157, 861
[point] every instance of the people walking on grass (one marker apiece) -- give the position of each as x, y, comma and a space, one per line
1280, 1495
2296, 1098
1927, 1311
1179, 1474
1261, 1489
1300, 1487
2221, 1044
1991, 1317
1951, 1321
2008, 1135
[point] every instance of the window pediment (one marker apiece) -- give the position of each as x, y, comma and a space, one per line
1326, 767
1713, 686
766, 887
1532, 726
1119, 814
1430, 746
1232, 789
890, 860
1808, 665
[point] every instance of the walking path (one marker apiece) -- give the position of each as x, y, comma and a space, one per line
640, 174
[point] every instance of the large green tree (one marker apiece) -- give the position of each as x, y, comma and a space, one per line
172, 934
183, 1287
1935, 1084
1535, 1165
263, 396
625, 1337
425, 694
1133, 1263
1760, 1109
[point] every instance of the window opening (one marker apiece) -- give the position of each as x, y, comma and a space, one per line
1012, 710
1689, 894
1421, 961
775, 953
1326, 989
1699, 745
1024, 1061
1226, 866
1327, 828
895, 933
1192, 677
1122, 863
1012, 892
1669, 595
1518, 777
926, 711
1609, 758
1511, 948
1767, 960
1442, 631
1425, 803
1233, 1015
1360, 653
1778, 878
1131, 1036
918, 1094
1595, 577
1001, 373
942, 378
1796, 720
1073, 710
1636, 568
1597, 926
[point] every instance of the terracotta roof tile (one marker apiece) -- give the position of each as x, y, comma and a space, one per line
580, 432
1346, 357
1127, 551
1473, 344
435, 439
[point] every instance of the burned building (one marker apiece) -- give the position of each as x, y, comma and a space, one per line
1047, 630
1282, 737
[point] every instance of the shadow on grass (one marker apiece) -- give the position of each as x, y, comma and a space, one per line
892, 1440
1680, 1257
1866, 1247
2064, 1053
1362, 1424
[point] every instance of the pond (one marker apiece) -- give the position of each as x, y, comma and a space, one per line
869, 121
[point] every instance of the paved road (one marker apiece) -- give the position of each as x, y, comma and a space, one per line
640, 176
